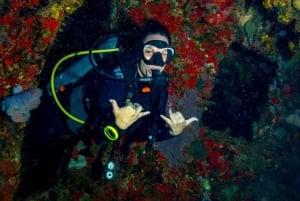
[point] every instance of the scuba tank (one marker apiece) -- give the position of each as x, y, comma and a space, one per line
79, 69
70, 76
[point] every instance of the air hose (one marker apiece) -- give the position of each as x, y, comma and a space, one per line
57, 65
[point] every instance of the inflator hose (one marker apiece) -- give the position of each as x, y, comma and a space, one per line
57, 65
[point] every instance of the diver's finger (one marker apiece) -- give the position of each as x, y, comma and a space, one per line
171, 115
166, 119
178, 116
190, 120
139, 109
143, 114
114, 105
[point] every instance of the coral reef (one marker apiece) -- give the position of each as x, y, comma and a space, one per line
28, 29
211, 165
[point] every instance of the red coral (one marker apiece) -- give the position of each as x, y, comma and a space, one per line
137, 15
32, 71
8, 168
208, 144
8, 60
27, 45
2, 91
8, 20
163, 188
162, 12
216, 19
12, 80
47, 40
35, 2
51, 24
217, 159
16, 5
192, 82
131, 183
6, 192
275, 100
31, 3
202, 132
160, 157
174, 24
122, 192
77, 196
29, 21
199, 168
197, 13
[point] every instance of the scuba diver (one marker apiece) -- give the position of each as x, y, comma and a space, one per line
101, 98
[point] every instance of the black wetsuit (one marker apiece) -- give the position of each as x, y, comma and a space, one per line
151, 96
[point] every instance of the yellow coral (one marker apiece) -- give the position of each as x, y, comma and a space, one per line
291, 45
281, 3
268, 4
71, 6
268, 42
296, 4
265, 38
68, 9
56, 11
285, 18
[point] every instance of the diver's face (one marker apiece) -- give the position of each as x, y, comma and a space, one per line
156, 54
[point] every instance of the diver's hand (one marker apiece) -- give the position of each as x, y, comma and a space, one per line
127, 115
177, 122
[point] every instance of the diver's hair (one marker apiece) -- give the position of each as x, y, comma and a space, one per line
154, 27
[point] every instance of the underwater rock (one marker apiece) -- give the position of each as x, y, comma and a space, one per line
240, 92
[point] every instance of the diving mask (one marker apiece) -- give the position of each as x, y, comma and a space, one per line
157, 53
